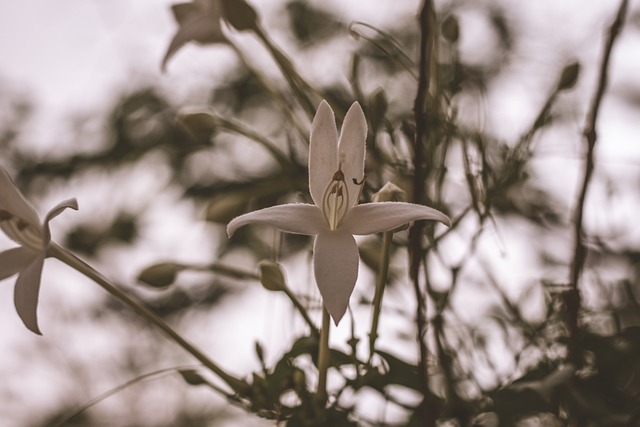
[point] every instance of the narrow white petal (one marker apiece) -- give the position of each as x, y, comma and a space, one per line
335, 264
26, 294
351, 149
372, 218
323, 152
13, 203
14, 260
57, 210
297, 218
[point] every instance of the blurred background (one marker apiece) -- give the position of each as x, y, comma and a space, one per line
86, 112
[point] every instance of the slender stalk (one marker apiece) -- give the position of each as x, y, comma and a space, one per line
426, 63
302, 311
284, 105
572, 298
298, 85
383, 272
56, 251
323, 357
241, 129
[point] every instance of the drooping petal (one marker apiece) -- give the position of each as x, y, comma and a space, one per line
57, 210
351, 149
27, 292
335, 264
14, 208
372, 218
297, 218
14, 260
195, 25
323, 152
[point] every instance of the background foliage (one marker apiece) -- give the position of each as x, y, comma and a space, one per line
500, 299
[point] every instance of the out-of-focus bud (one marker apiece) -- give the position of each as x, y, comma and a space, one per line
225, 207
272, 276
200, 124
192, 377
390, 193
240, 14
569, 76
451, 29
161, 275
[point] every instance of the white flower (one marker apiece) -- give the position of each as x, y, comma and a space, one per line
21, 224
199, 21
336, 174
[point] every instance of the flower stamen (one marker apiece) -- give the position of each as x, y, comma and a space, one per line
335, 201
20, 231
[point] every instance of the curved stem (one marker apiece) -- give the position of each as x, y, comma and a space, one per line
56, 251
302, 311
383, 271
275, 94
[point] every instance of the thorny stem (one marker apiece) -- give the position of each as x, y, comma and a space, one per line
236, 384
323, 357
383, 270
427, 29
572, 297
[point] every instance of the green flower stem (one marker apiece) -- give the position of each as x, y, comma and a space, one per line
241, 129
383, 271
56, 251
299, 86
229, 271
303, 311
275, 94
323, 357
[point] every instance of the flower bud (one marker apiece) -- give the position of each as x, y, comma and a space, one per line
161, 275
569, 76
192, 377
240, 14
390, 193
272, 276
200, 124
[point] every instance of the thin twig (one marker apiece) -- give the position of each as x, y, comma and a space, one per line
416, 250
572, 297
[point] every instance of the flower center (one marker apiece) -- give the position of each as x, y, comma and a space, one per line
335, 201
21, 231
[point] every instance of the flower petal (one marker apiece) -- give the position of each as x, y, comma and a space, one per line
297, 218
372, 218
57, 210
14, 205
335, 264
351, 149
26, 294
323, 152
15, 260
